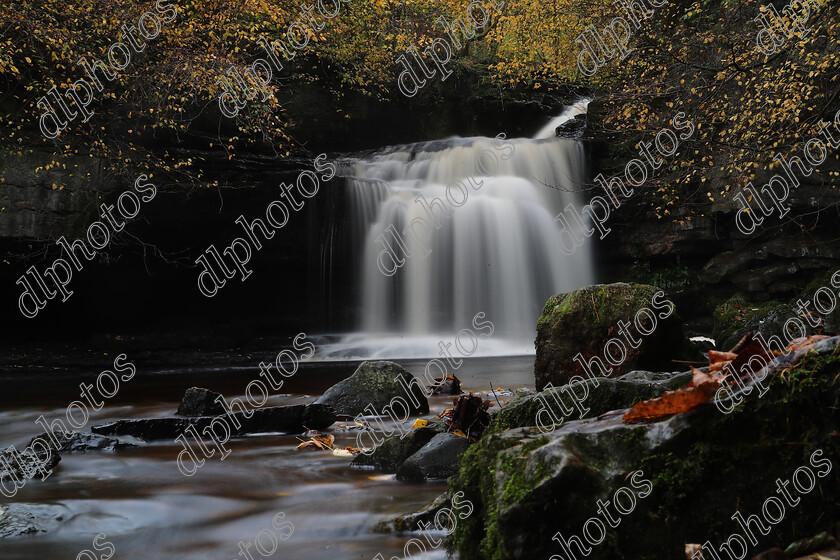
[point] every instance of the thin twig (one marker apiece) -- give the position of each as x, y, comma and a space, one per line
494, 394
595, 307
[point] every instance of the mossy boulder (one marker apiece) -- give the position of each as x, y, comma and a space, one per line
594, 397
584, 321
375, 384
702, 465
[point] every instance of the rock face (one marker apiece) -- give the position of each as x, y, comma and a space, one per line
688, 473
270, 419
375, 383
437, 459
585, 320
199, 401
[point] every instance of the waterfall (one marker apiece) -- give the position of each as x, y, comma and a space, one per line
446, 229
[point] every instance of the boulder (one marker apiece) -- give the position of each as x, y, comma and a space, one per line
376, 384
394, 450
572, 128
199, 401
688, 474
294, 418
437, 459
584, 321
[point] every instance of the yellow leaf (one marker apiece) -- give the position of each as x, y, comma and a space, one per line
420, 423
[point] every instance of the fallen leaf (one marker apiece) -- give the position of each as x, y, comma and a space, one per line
420, 423
318, 442
715, 356
702, 388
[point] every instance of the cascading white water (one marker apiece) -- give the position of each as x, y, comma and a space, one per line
496, 250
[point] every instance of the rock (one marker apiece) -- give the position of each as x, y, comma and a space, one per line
583, 321
29, 519
411, 521
572, 128
608, 394
292, 418
375, 383
735, 318
394, 450
198, 401
82, 442
19, 466
437, 459
695, 469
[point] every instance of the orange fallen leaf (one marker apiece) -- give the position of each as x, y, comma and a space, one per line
718, 366
715, 356
459, 433
420, 423
702, 388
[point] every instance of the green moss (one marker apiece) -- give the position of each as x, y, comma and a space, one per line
734, 313
729, 464
518, 485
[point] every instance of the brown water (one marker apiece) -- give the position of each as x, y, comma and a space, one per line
149, 510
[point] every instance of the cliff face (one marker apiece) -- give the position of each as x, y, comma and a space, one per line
145, 278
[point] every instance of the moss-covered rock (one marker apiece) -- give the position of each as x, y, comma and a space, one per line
703, 465
735, 317
375, 384
584, 321
595, 397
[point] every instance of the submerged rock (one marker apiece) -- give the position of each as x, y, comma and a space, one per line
585, 320
292, 418
29, 519
437, 459
688, 474
199, 401
81, 442
376, 384
411, 521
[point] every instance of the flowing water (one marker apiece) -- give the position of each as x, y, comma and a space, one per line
447, 229
149, 510
487, 244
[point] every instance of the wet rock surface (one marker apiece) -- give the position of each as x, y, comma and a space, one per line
29, 519
294, 418
199, 401
375, 384
394, 450
437, 459
702, 466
